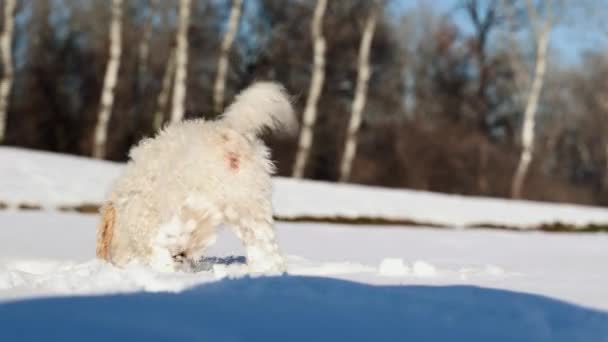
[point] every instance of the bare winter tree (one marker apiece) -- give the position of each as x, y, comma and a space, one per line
109, 83
314, 92
541, 33
143, 56
222, 65
6, 42
363, 74
603, 103
521, 76
163, 96
181, 62
483, 20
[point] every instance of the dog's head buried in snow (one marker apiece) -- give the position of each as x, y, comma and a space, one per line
193, 176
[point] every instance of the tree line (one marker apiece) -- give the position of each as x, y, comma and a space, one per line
400, 98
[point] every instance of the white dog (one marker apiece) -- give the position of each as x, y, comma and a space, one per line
193, 176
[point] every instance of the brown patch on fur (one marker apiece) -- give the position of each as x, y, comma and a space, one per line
3, 205
233, 161
105, 231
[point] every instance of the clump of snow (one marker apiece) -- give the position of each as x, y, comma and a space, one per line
329, 268
422, 268
393, 267
494, 270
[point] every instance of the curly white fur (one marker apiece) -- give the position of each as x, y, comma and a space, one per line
195, 175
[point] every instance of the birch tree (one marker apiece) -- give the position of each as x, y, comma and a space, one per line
541, 34
314, 92
109, 83
6, 43
222, 65
363, 74
181, 62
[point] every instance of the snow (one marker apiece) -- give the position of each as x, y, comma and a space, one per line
393, 267
60, 259
53, 180
363, 283
327, 200
304, 309
424, 269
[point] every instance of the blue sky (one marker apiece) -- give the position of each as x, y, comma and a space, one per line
580, 30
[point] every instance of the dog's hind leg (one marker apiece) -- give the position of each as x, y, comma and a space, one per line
105, 231
258, 237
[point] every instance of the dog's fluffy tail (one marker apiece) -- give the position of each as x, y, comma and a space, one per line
261, 106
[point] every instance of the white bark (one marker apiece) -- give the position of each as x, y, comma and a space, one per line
350, 146
222, 66
181, 60
6, 43
109, 83
163, 96
527, 136
316, 84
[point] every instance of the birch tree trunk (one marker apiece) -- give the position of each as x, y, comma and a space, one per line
6, 43
163, 96
109, 82
181, 60
363, 74
530, 111
316, 84
222, 65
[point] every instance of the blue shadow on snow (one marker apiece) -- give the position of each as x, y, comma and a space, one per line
291, 308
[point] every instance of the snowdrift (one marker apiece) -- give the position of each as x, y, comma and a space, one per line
304, 309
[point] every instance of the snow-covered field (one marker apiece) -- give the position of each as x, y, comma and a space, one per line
356, 283
51, 181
